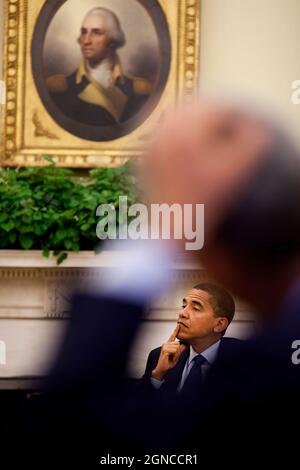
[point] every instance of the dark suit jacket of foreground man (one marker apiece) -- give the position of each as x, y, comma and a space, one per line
249, 403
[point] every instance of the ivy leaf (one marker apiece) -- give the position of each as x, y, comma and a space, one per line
68, 244
85, 227
12, 237
26, 241
8, 226
61, 258
60, 234
46, 252
3, 217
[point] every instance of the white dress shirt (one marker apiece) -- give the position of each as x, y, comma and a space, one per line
210, 354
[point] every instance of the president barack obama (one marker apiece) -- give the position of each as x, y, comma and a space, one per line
180, 365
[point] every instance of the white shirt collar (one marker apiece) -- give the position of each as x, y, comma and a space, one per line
103, 73
210, 354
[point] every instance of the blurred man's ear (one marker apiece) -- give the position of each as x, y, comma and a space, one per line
221, 325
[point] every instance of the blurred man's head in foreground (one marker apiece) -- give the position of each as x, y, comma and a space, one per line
246, 171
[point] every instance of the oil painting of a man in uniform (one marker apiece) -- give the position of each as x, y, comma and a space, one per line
98, 92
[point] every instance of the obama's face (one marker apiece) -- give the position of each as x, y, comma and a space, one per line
197, 318
94, 39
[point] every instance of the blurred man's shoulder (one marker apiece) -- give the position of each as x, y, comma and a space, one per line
231, 344
231, 340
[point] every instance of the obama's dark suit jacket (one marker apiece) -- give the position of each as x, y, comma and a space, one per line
172, 379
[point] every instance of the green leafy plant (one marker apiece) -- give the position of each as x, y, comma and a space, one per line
53, 209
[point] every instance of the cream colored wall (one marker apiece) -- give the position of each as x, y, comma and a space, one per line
1, 35
252, 46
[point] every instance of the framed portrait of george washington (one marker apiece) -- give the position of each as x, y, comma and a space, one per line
88, 81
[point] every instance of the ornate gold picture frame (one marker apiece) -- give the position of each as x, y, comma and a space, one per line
99, 127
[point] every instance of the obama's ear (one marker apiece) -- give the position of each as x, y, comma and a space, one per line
221, 325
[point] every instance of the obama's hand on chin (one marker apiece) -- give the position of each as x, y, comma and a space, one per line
169, 355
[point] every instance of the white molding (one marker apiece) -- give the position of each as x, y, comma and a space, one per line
83, 259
